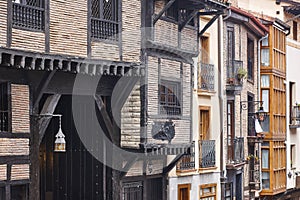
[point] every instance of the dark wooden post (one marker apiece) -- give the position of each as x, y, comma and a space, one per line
34, 186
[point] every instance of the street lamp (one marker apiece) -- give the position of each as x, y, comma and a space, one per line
60, 142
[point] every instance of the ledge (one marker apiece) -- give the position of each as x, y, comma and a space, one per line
207, 170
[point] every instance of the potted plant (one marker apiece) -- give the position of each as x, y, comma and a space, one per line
241, 73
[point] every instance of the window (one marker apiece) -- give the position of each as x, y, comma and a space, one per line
133, 191
295, 30
184, 192
19, 192
29, 14
208, 192
293, 156
250, 58
266, 180
104, 20
230, 129
169, 97
230, 52
4, 107
228, 191
172, 12
204, 123
204, 49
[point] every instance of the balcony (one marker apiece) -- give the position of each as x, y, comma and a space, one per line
207, 153
295, 117
235, 153
29, 17
206, 77
234, 80
187, 162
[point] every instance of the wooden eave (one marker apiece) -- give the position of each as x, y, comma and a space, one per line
249, 20
172, 51
200, 4
28, 60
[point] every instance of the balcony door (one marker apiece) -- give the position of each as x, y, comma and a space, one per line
204, 124
230, 129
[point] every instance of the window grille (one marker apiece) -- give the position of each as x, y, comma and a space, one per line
29, 14
104, 19
169, 98
4, 108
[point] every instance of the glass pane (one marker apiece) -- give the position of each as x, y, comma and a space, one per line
266, 180
265, 42
265, 99
265, 158
265, 81
265, 57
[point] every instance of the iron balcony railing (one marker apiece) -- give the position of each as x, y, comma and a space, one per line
295, 116
30, 17
232, 72
207, 153
104, 29
206, 76
236, 150
187, 162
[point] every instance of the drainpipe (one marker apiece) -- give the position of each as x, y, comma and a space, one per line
258, 98
220, 93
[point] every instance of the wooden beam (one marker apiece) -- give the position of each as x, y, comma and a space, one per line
41, 89
172, 164
188, 19
209, 24
48, 109
167, 6
108, 123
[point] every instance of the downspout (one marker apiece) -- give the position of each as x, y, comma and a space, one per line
220, 93
223, 171
258, 98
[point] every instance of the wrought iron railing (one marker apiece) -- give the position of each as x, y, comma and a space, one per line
3, 120
206, 76
236, 150
30, 17
207, 153
104, 29
187, 162
232, 72
295, 116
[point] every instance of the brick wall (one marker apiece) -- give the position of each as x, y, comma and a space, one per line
131, 30
20, 108
3, 170
68, 27
166, 33
3, 24
130, 120
189, 39
20, 172
106, 51
28, 40
14, 147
